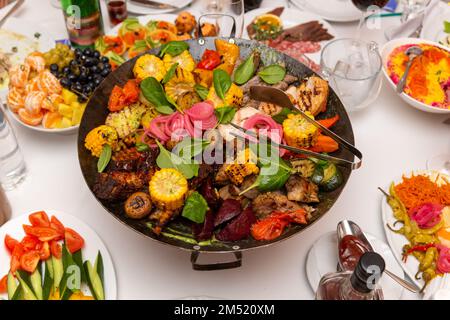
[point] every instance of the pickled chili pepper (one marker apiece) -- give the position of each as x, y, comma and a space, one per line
421, 247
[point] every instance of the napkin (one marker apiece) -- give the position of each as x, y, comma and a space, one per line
410, 26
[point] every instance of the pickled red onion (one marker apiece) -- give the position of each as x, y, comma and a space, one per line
265, 125
200, 111
426, 215
443, 261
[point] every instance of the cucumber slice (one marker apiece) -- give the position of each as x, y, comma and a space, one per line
36, 283
49, 267
12, 285
48, 280
27, 292
98, 266
78, 259
94, 281
18, 295
58, 271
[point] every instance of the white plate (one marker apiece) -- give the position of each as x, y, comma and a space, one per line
93, 244
292, 17
323, 258
28, 29
397, 241
169, 17
331, 10
386, 51
433, 27
136, 8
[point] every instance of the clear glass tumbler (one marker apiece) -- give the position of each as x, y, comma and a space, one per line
12, 164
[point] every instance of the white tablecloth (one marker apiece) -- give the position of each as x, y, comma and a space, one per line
393, 137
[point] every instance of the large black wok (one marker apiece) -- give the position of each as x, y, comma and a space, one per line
96, 113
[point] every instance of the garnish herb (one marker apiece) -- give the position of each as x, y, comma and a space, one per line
222, 82
174, 48
190, 147
154, 93
195, 208
225, 114
142, 147
272, 74
170, 73
104, 158
245, 70
167, 159
201, 91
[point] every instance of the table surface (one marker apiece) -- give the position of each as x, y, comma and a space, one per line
394, 138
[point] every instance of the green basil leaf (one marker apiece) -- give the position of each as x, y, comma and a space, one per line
154, 93
280, 117
173, 48
268, 180
225, 114
190, 147
195, 208
447, 26
170, 73
167, 159
245, 71
272, 74
222, 82
201, 91
105, 157
142, 147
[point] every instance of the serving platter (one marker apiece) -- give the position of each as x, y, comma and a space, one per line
95, 116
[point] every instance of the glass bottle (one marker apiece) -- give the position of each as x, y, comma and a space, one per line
5, 208
361, 284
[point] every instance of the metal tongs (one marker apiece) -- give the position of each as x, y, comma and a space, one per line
278, 97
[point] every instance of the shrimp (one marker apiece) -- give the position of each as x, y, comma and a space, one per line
15, 99
36, 61
33, 102
29, 118
49, 83
18, 75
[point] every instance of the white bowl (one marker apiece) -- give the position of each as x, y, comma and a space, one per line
386, 51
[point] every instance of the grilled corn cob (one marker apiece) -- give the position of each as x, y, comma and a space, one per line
168, 188
298, 132
181, 83
233, 97
149, 66
98, 137
127, 120
184, 61
243, 166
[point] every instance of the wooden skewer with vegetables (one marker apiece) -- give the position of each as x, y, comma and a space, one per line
176, 111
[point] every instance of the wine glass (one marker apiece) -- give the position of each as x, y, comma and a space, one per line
223, 14
368, 8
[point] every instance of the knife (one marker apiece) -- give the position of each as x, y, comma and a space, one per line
156, 4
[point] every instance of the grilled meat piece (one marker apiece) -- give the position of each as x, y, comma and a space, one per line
248, 182
161, 218
230, 191
221, 175
313, 95
302, 190
203, 172
118, 185
256, 81
310, 31
266, 203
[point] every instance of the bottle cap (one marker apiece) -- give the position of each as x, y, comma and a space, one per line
368, 272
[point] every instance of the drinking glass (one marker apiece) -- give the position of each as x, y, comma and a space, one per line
117, 11
411, 8
353, 69
368, 8
12, 165
223, 14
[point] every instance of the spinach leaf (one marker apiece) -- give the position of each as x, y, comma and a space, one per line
173, 48
154, 93
170, 73
167, 159
271, 181
195, 208
201, 91
142, 147
280, 117
245, 71
222, 82
104, 158
190, 147
225, 114
272, 74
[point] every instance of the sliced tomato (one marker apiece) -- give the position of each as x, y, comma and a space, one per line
3, 284
39, 219
55, 224
42, 233
74, 241
56, 249
10, 243
30, 242
44, 250
29, 261
15, 257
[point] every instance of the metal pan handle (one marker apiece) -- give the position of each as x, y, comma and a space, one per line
215, 266
216, 16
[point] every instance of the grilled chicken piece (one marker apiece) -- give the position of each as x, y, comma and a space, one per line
266, 203
313, 95
230, 191
248, 182
302, 190
269, 108
221, 175
162, 218
204, 171
118, 185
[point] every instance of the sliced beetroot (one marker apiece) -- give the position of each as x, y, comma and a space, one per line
208, 192
204, 231
229, 209
239, 228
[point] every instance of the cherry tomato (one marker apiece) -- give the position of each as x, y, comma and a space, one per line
15, 257
55, 224
74, 241
29, 261
30, 243
42, 233
44, 250
39, 219
3, 284
56, 249
10, 243
210, 60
